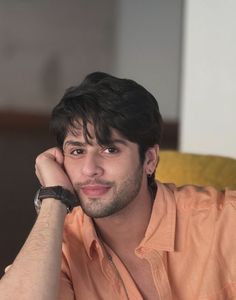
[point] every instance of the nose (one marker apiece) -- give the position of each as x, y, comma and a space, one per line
92, 166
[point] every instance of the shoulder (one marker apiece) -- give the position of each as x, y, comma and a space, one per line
205, 217
190, 197
197, 203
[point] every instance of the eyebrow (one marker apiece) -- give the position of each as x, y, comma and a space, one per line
73, 143
118, 141
81, 144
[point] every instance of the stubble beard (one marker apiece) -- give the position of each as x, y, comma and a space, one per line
122, 196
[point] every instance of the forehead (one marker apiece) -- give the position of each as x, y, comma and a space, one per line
77, 133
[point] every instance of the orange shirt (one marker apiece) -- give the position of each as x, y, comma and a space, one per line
190, 244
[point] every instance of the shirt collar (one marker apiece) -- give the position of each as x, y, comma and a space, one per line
90, 237
160, 233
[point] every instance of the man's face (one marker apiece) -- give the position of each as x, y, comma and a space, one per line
105, 178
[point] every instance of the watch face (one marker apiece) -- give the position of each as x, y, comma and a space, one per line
37, 202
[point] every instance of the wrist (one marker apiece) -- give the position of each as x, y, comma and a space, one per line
58, 194
52, 204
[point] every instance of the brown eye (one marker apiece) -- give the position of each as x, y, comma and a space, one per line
111, 150
76, 152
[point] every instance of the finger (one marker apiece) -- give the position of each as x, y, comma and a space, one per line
59, 156
56, 154
7, 268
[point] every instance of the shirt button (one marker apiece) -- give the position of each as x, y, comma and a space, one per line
140, 251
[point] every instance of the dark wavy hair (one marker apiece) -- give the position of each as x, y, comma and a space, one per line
109, 103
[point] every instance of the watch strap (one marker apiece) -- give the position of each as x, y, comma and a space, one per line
58, 193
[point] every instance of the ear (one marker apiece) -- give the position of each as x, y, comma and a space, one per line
151, 159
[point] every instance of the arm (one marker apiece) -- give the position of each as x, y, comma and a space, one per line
36, 270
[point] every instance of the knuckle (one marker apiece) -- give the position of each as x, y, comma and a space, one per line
38, 159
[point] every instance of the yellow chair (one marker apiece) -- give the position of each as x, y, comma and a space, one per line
183, 168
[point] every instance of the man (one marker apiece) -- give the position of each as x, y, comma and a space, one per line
125, 236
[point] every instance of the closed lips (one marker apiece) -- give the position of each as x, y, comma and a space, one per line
95, 190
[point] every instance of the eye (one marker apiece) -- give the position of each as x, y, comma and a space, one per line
111, 150
76, 152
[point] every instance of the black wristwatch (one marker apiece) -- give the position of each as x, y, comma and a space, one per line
58, 193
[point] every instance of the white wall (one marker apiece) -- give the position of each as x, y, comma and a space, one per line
208, 103
148, 48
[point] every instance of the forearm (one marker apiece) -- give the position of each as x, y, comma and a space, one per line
36, 270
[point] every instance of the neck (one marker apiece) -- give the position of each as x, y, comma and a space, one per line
126, 229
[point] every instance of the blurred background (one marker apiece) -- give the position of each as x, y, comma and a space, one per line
183, 52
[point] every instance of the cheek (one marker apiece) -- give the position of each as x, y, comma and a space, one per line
71, 168
127, 169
